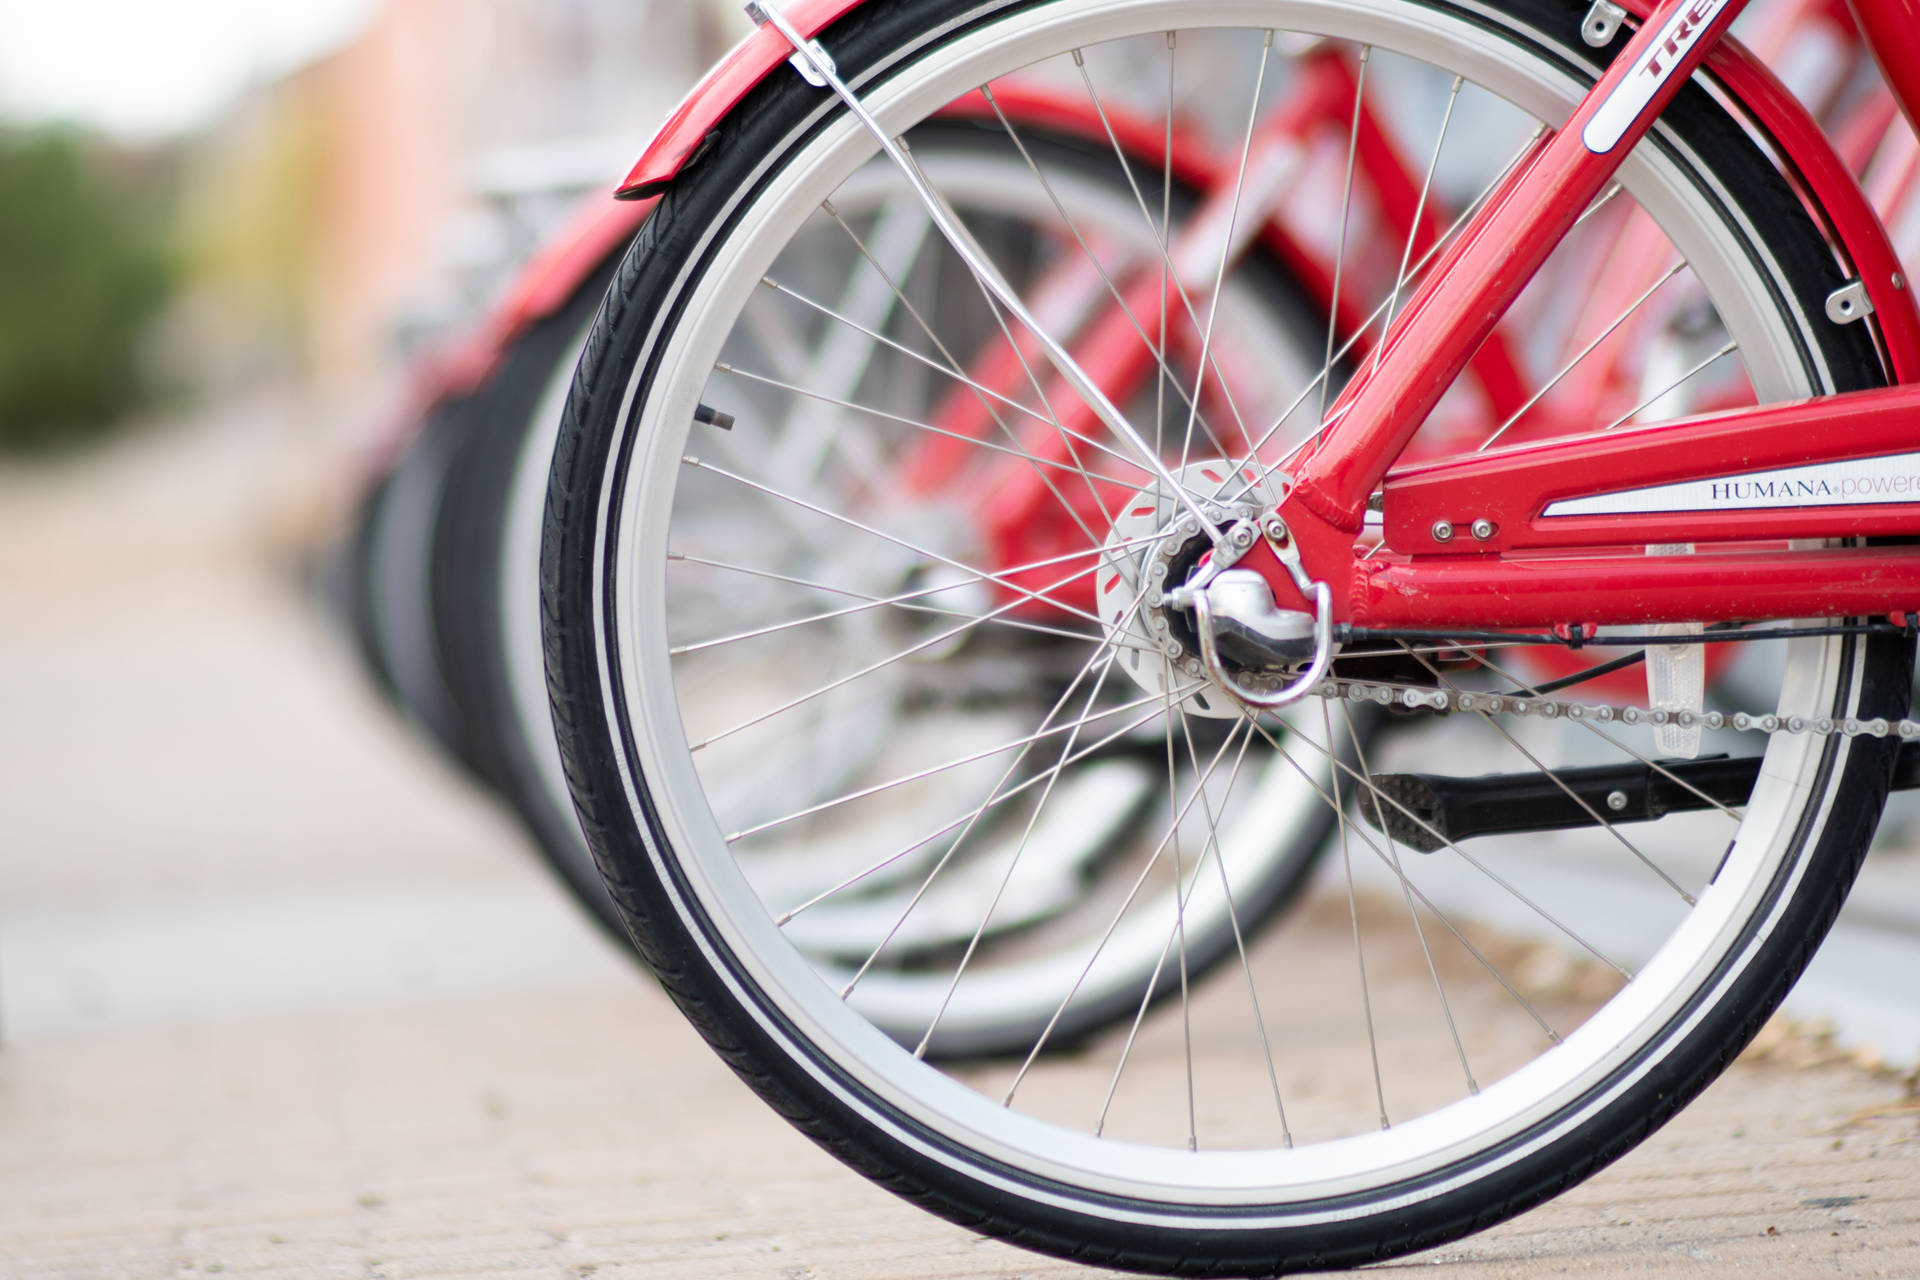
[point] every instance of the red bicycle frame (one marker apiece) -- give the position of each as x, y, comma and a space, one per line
1547, 558
1561, 527
1021, 515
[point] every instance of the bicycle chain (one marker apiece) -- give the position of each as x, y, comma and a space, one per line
1600, 713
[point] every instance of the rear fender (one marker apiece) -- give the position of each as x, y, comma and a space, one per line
544, 286
752, 60
1829, 190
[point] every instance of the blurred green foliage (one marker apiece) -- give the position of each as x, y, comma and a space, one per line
84, 273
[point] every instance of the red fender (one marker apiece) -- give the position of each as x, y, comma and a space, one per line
463, 363
543, 287
1829, 190
751, 61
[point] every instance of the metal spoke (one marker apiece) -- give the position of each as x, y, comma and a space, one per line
1673, 386
1026, 836
1413, 913
904, 602
1406, 881
1180, 907
920, 357
933, 641
1441, 837
1226, 249
1419, 215
1072, 512
1585, 351
1133, 321
1133, 892
1008, 623
842, 359
982, 267
946, 856
1000, 311
972, 575
1239, 938
1346, 215
1181, 893
999, 579
1104, 664
1732, 812
960, 762
917, 424
1165, 237
1568, 791
839, 317
999, 791
973, 815
777, 340
1353, 909
1600, 202
1171, 285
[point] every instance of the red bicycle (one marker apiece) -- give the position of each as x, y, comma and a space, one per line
761, 641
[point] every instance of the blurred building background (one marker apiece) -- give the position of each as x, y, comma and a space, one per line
363, 182
225, 230
373, 185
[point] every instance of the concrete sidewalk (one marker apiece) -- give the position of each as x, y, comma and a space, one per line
594, 1135
283, 997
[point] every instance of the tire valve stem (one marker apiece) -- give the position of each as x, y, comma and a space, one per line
708, 416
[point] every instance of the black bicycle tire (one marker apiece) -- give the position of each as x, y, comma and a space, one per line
468, 560
811, 1092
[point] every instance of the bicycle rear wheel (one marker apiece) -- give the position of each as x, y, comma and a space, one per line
1282, 1137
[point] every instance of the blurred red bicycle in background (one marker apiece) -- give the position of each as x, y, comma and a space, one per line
921, 704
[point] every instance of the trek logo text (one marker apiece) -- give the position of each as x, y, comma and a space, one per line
1633, 95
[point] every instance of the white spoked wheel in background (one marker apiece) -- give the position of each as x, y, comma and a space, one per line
1279, 831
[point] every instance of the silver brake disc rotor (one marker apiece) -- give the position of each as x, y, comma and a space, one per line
1152, 533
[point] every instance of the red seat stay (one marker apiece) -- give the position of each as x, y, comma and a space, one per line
1514, 488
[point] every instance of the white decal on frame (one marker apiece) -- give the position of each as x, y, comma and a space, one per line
1856, 482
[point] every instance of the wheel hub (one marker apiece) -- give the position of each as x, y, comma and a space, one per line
1155, 545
